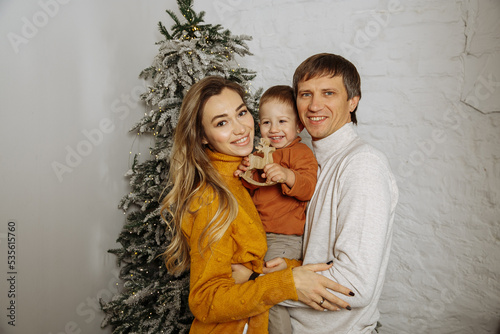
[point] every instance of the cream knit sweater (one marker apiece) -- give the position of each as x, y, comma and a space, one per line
349, 221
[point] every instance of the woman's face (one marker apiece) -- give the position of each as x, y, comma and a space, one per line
228, 125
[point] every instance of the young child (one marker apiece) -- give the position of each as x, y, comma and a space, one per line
282, 206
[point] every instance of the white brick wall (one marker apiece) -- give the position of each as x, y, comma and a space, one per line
416, 69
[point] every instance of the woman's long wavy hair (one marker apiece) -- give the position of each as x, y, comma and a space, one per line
191, 174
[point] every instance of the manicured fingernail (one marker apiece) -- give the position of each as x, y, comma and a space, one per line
351, 293
348, 308
330, 262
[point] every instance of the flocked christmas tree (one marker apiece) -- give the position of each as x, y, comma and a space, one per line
150, 299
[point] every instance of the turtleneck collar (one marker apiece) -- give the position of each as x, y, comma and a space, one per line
225, 164
337, 141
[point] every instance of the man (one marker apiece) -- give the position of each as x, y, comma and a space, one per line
350, 216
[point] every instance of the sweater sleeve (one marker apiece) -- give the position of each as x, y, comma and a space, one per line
305, 167
214, 297
366, 198
292, 263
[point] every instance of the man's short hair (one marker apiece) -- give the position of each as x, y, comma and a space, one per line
329, 64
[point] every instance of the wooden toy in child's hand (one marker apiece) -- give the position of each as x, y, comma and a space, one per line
257, 162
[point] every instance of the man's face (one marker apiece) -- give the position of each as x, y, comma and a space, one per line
323, 105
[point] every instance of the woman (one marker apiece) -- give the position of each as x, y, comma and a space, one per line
215, 224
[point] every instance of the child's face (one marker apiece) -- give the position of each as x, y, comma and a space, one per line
279, 123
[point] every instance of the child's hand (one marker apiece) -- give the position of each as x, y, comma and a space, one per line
276, 264
243, 167
276, 173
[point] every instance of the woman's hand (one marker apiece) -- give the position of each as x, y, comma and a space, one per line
312, 288
241, 274
243, 167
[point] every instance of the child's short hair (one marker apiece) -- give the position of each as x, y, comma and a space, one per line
280, 93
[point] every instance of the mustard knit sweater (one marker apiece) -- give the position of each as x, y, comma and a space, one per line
218, 304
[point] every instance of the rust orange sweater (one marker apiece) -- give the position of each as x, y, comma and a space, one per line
283, 209
218, 304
